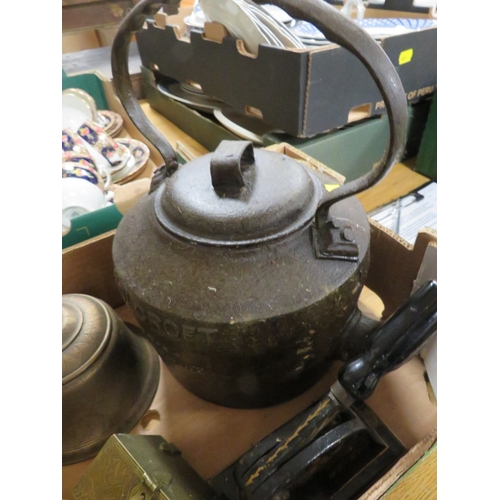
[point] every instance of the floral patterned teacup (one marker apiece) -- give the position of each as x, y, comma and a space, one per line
81, 170
116, 154
72, 143
84, 159
88, 161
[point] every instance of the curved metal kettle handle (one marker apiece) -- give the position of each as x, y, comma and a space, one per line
121, 78
335, 27
338, 29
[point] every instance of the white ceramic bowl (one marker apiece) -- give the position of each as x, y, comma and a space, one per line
80, 197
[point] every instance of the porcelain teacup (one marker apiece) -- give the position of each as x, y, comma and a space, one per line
88, 161
80, 197
84, 159
73, 143
84, 170
104, 145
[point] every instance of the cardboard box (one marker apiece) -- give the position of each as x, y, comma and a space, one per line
211, 437
339, 150
303, 92
427, 154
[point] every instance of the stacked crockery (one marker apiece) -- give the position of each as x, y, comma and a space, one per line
93, 162
250, 22
77, 102
255, 24
270, 25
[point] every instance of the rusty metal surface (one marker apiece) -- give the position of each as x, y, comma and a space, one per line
242, 327
326, 452
257, 323
274, 196
123, 86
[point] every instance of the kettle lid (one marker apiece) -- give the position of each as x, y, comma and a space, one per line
238, 196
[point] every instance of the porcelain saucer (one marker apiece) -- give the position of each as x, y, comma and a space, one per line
110, 122
193, 88
238, 22
305, 31
137, 162
311, 42
247, 127
277, 13
178, 92
378, 27
105, 149
279, 30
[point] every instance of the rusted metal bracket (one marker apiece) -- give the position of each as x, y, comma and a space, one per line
334, 239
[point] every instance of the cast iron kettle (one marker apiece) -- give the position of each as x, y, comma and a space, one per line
242, 269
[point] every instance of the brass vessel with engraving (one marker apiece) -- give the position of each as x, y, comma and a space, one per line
141, 468
109, 376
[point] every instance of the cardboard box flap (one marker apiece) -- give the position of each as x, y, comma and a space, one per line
91, 272
398, 264
379, 489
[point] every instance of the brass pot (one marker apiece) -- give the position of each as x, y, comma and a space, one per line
109, 376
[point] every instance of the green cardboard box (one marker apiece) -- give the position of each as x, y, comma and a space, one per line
351, 150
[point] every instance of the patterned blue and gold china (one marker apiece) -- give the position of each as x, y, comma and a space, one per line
72, 143
77, 103
85, 172
83, 159
379, 27
116, 154
110, 122
136, 164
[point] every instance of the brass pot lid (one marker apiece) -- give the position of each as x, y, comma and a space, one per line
110, 376
86, 329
